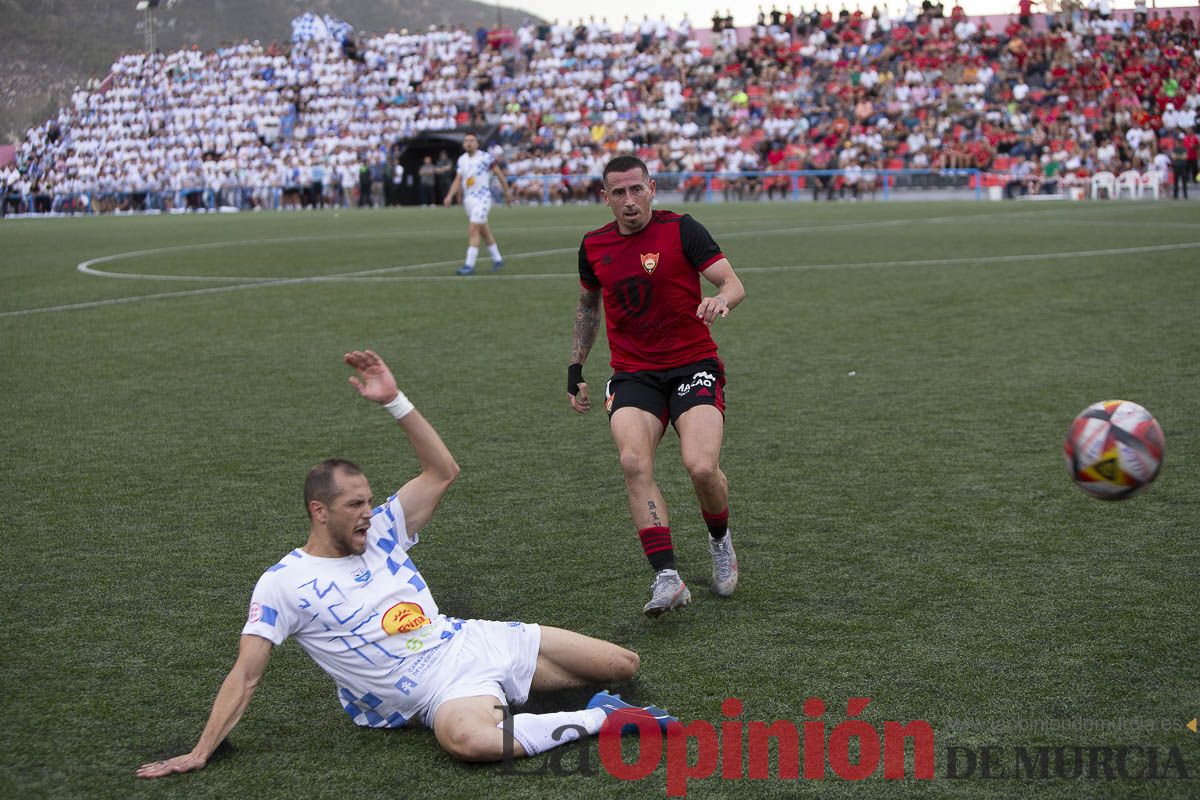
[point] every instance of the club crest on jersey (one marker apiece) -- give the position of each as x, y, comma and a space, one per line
362, 576
404, 618
649, 262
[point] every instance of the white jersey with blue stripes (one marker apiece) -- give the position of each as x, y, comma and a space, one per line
366, 620
475, 173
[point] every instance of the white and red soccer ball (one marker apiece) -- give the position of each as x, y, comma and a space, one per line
1114, 449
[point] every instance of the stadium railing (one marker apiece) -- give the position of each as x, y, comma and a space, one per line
714, 186
706, 187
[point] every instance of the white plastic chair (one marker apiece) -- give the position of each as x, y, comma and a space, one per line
1152, 183
1129, 181
1105, 181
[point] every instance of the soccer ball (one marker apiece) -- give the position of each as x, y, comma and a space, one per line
1114, 449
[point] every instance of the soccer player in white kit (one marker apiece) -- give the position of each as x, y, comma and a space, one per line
354, 600
475, 169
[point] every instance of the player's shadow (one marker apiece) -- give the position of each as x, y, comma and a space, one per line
574, 699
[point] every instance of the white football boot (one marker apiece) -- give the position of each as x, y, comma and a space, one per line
725, 566
668, 592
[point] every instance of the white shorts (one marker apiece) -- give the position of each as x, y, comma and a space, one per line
485, 659
477, 208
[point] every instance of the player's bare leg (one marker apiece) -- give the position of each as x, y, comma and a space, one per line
701, 430
637, 433
467, 728
485, 230
474, 728
569, 660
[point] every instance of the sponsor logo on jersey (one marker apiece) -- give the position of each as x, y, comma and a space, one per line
649, 262
701, 380
362, 576
404, 618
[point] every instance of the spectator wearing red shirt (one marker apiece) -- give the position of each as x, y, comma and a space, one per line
1191, 146
1024, 11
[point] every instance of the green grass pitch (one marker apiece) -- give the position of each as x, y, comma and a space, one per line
900, 379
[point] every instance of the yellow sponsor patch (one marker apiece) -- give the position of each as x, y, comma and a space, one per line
404, 618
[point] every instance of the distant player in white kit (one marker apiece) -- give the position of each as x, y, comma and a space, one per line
475, 169
354, 600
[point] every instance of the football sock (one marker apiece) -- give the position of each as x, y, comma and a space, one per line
536, 732
472, 254
656, 544
494, 250
718, 524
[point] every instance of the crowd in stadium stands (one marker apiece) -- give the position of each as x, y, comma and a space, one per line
312, 123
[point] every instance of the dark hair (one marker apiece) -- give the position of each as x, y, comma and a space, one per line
624, 164
321, 483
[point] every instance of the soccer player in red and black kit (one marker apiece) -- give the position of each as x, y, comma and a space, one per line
646, 265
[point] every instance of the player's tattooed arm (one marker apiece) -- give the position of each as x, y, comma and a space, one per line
587, 325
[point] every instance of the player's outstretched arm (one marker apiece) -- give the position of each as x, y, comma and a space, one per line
420, 496
587, 325
234, 696
730, 292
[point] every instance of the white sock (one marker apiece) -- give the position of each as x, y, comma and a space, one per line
535, 732
495, 251
472, 254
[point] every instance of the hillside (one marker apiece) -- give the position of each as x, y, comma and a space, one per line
47, 47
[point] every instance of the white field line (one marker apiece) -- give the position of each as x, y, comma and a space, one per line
378, 273
88, 267
557, 275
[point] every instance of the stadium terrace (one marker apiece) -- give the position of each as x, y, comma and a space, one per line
1040, 104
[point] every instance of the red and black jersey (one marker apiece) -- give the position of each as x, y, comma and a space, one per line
651, 288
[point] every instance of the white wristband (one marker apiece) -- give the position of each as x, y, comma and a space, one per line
399, 407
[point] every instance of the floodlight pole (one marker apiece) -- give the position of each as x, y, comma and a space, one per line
148, 19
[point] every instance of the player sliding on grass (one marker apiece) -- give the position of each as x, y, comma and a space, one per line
647, 266
358, 606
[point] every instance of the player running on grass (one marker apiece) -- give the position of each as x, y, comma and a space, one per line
354, 600
646, 265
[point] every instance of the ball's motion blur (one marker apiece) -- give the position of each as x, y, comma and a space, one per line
1114, 449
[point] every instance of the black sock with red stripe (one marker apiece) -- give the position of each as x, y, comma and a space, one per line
656, 544
718, 524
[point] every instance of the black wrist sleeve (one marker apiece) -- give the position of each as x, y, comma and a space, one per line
574, 378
